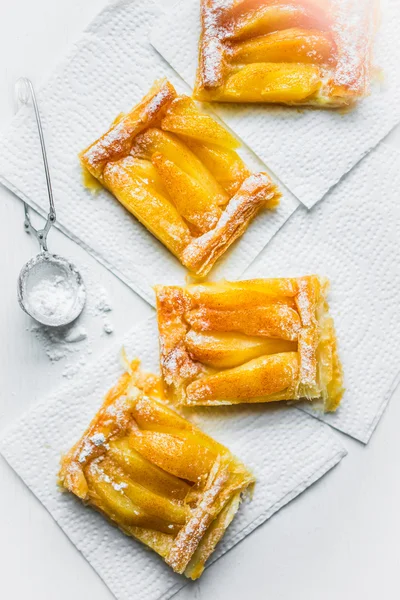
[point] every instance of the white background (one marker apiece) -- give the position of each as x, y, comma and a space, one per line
340, 539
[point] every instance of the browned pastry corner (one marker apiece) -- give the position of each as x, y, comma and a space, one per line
177, 171
262, 340
155, 475
300, 52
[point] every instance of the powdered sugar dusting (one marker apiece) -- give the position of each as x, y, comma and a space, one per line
98, 439
353, 28
177, 363
214, 14
158, 101
212, 61
119, 486
86, 451
212, 47
308, 334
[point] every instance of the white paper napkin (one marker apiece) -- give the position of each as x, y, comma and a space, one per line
353, 238
286, 449
106, 72
309, 150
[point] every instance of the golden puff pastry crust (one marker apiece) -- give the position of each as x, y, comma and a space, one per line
177, 171
298, 52
262, 340
155, 475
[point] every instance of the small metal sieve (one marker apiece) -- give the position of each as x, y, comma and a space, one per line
45, 269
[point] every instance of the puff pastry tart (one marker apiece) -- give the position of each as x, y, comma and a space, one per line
176, 170
155, 475
261, 340
302, 52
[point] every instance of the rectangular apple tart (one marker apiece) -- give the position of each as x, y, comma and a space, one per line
262, 340
177, 171
155, 475
309, 52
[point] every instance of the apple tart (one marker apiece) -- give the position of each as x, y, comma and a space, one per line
177, 171
301, 52
155, 475
262, 340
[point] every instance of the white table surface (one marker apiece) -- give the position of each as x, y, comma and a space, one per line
339, 539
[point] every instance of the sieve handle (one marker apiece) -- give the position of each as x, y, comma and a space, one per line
24, 92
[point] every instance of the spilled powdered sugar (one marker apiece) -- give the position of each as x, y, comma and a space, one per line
76, 334
107, 326
63, 343
102, 304
60, 342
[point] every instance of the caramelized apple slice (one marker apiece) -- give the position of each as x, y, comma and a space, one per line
275, 321
190, 198
179, 456
107, 496
271, 376
241, 294
273, 82
289, 45
150, 476
161, 543
150, 414
196, 438
184, 118
155, 211
226, 350
155, 141
153, 416
151, 503
329, 371
225, 165
275, 16
146, 171
333, 393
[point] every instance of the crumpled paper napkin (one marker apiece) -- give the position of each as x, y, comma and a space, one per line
108, 71
308, 149
286, 449
353, 238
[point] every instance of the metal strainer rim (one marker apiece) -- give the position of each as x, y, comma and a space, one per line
80, 296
